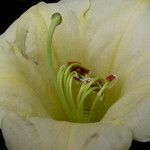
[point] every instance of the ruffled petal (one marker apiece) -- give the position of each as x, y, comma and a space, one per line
132, 63
107, 23
120, 46
26, 41
40, 133
29, 37
16, 94
132, 110
114, 40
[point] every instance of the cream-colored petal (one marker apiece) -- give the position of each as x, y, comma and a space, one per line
29, 36
107, 22
114, 44
133, 53
15, 92
27, 40
122, 47
30, 32
132, 110
69, 41
40, 133
132, 63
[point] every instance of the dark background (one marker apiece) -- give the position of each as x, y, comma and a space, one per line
10, 10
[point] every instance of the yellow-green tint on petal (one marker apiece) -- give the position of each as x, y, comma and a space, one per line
31, 42
115, 28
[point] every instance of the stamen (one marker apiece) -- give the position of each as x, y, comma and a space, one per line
111, 77
75, 106
81, 70
56, 20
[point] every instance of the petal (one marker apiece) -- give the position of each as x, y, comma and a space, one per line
132, 62
29, 37
15, 92
30, 40
37, 133
69, 42
106, 25
31, 34
120, 46
132, 111
133, 54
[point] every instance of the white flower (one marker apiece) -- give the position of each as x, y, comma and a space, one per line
106, 36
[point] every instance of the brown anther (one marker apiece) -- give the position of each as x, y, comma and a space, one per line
111, 77
81, 70
77, 68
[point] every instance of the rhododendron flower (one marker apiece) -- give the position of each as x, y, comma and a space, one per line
75, 76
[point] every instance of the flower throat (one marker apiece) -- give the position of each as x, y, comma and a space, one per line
78, 106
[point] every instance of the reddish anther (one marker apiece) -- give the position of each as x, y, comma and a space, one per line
77, 68
80, 70
111, 77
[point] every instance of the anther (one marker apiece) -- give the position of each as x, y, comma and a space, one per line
111, 77
80, 73
81, 70
78, 68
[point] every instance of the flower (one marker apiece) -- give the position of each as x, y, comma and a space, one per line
106, 37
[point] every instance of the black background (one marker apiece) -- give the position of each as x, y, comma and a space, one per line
10, 10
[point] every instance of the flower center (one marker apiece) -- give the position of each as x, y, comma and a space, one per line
77, 90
